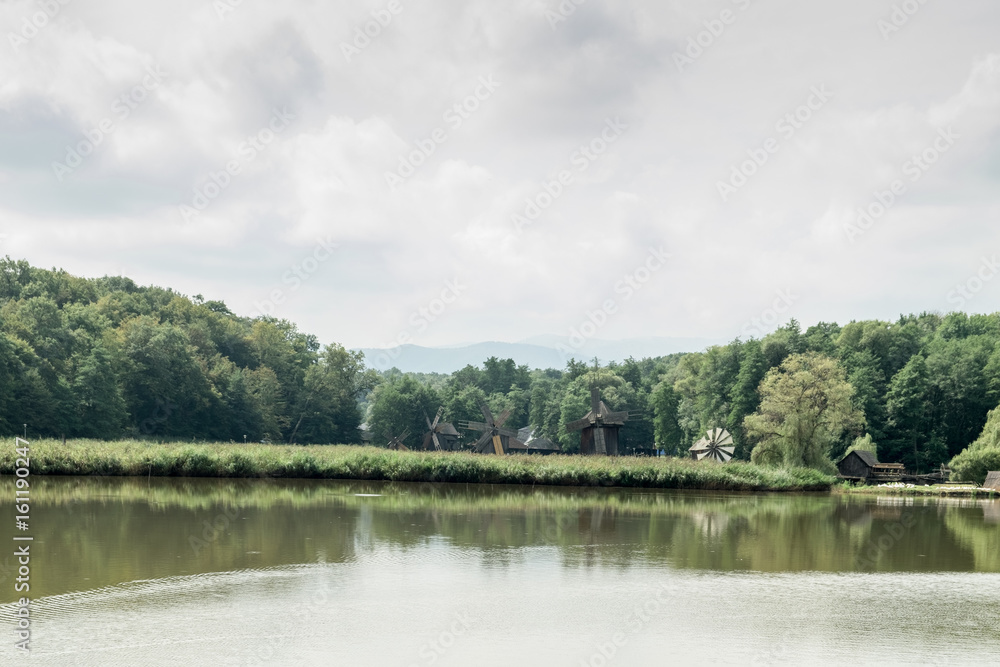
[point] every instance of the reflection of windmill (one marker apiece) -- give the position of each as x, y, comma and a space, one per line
495, 439
717, 446
599, 429
440, 436
397, 441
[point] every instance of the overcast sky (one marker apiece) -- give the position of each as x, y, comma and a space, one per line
119, 120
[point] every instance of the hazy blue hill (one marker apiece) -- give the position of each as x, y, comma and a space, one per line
537, 352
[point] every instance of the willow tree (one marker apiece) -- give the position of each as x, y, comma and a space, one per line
981, 456
806, 408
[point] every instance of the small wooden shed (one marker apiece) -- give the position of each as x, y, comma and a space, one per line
857, 466
863, 466
992, 481
448, 436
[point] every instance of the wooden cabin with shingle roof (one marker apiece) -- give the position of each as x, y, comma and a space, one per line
863, 467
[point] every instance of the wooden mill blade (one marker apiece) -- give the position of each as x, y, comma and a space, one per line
483, 441
486, 413
599, 442
475, 426
497, 445
502, 418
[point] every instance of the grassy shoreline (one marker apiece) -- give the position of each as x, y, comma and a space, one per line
140, 459
935, 491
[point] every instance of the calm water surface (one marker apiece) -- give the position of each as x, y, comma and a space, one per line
265, 572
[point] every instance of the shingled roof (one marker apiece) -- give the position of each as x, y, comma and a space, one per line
865, 456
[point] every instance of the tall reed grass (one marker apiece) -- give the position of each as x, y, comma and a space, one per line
138, 458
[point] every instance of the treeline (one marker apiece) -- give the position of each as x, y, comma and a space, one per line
922, 385
919, 389
544, 400
105, 358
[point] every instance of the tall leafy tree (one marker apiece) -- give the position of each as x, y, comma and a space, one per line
743, 395
399, 405
806, 408
101, 410
332, 387
664, 402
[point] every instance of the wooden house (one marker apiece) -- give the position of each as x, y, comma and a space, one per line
527, 443
992, 481
447, 435
863, 466
857, 465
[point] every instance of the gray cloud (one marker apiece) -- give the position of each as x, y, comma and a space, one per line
324, 175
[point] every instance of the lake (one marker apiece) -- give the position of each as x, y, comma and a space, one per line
283, 572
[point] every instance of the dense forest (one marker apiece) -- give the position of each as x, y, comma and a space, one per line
106, 358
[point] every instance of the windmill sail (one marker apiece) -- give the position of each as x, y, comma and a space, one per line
716, 446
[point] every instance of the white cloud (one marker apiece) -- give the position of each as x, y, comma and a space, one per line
657, 185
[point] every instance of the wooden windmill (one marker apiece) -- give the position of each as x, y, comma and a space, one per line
716, 446
494, 439
599, 429
396, 442
440, 436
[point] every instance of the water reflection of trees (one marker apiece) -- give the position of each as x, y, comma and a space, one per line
104, 531
981, 536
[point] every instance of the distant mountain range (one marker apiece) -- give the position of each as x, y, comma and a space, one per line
536, 352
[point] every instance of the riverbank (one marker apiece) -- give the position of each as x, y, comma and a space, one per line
934, 491
142, 459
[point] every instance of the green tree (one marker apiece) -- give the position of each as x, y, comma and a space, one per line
332, 387
806, 407
982, 456
664, 402
743, 395
863, 443
910, 416
101, 409
400, 405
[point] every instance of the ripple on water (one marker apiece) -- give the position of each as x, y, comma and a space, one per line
386, 608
